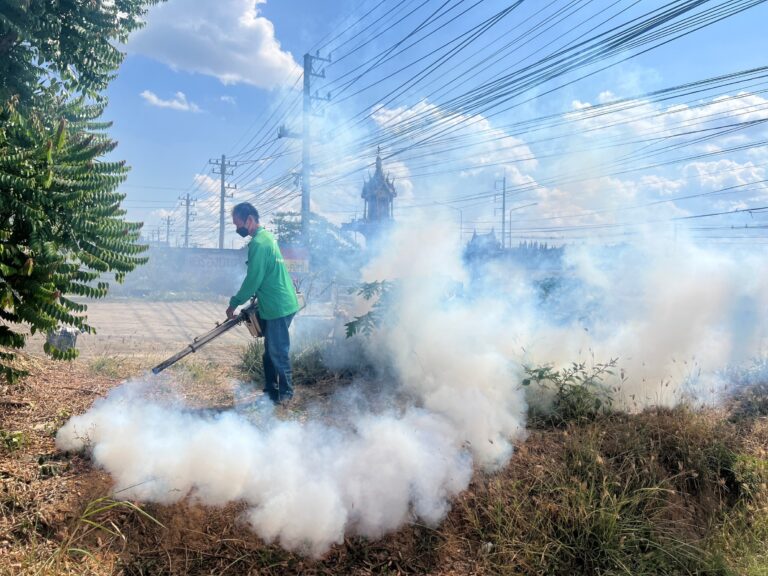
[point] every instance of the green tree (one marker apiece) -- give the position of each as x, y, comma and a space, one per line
61, 223
384, 294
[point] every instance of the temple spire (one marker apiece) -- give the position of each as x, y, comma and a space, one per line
378, 194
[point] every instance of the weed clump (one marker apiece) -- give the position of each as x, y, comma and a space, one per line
251, 360
307, 364
750, 402
12, 441
578, 392
622, 494
314, 363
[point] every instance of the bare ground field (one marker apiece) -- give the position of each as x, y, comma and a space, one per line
578, 500
58, 515
128, 327
659, 492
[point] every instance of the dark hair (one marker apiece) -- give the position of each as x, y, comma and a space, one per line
245, 209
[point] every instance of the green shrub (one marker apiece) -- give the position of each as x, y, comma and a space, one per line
616, 496
12, 441
578, 392
307, 363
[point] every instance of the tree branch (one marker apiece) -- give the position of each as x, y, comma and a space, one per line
7, 41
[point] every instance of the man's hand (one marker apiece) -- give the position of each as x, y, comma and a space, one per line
230, 313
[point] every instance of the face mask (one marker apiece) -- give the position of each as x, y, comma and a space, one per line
243, 231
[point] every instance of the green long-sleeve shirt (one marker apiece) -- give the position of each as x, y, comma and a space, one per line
267, 278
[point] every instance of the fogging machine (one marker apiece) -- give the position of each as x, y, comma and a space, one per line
248, 316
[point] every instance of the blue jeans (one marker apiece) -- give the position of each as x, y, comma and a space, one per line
277, 364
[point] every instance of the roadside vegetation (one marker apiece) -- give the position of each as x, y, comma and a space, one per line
591, 491
63, 232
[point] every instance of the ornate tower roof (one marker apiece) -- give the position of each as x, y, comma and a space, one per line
378, 195
379, 186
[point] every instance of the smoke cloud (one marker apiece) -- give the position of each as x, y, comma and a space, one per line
454, 400
675, 312
678, 315
307, 485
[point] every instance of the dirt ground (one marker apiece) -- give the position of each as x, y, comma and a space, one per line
140, 327
58, 514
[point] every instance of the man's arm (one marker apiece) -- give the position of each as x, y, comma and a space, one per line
253, 278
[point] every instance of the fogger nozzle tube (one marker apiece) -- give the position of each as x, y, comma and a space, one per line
247, 315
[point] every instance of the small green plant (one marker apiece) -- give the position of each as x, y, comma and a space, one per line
384, 291
51, 465
102, 520
307, 363
579, 393
12, 441
251, 362
61, 418
109, 366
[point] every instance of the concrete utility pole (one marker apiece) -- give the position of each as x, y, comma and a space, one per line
225, 169
187, 203
503, 209
168, 220
306, 136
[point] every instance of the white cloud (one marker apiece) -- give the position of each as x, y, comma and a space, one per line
584, 201
579, 180
724, 172
227, 39
760, 152
228, 100
162, 213
485, 145
206, 183
178, 102
644, 118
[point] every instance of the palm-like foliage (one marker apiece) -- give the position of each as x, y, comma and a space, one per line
61, 224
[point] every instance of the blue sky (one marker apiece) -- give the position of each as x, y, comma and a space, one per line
203, 78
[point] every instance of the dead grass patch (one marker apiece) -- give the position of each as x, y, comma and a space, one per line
661, 492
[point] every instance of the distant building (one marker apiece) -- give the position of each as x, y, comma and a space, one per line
537, 255
482, 246
539, 259
378, 209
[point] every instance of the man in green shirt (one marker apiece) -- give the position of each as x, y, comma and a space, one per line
268, 279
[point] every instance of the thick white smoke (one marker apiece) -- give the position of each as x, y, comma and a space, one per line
675, 314
308, 485
450, 351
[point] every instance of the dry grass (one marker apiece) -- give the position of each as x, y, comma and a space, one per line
660, 492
